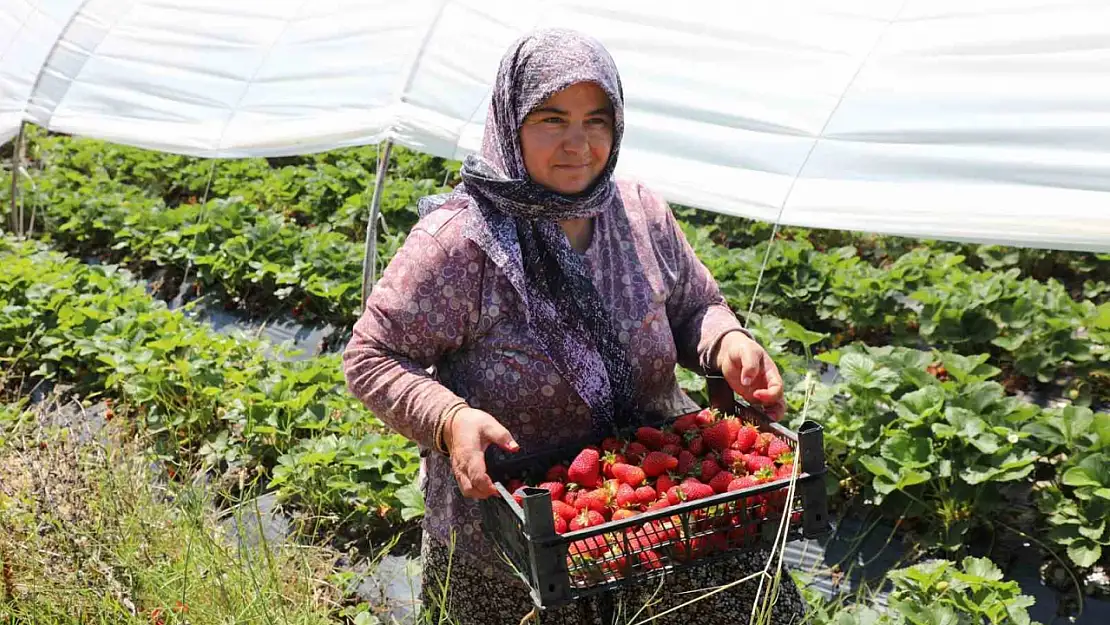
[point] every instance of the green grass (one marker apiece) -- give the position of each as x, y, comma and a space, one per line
88, 535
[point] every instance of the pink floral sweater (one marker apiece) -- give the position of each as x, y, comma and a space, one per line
442, 303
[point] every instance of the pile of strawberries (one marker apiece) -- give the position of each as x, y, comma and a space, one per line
697, 456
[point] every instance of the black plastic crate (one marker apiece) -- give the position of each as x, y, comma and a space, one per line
563, 568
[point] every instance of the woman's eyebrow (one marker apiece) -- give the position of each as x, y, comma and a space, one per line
558, 111
548, 109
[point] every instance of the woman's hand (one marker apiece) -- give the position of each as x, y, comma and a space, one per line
466, 437
751, 373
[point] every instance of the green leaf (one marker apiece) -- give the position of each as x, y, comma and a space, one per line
1078, 476
1101, 427
982, 568
412, 501
1011, 342
909, 451
921, 404
1084, 552
911, 477
1094, 532
859, 370
878, 466
796, 332
1045, 431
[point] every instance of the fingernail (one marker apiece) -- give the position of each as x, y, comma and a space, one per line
513, 446
746, 381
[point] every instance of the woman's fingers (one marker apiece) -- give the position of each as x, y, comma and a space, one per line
470, 472
494, 432
475, 431
751, 364
772, 391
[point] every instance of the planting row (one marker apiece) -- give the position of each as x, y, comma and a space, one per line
208, 400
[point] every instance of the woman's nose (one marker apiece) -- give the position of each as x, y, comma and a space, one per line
576, 141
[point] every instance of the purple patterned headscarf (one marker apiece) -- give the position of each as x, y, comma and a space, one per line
515, 221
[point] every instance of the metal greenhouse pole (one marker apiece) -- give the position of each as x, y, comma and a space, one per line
370, 256
15, 217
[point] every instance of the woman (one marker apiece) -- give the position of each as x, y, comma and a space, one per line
551, 301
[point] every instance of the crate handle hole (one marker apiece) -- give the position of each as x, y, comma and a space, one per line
551, 588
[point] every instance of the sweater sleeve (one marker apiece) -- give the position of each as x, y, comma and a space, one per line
418, 312
698, 314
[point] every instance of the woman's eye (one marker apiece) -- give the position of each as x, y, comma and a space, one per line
553, 120
598, 121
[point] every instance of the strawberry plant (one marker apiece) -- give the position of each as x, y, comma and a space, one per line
923, 447
208, 400
1076, 504
933, 592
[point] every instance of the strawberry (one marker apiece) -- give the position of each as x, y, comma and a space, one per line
734, 427
657, 463
664, 483
765, 474
587, 518
745, 438
557, 473
776, 448
635, 452
623, 513
742, 535
756, 462
717, 436
685, 423
610, 444
592, 546
650, 437
608, 460
626, 496
785, 471
564, 510
675, 495
706, 417
686, 461
596, 500
733, 459
629, 474
585, 468
650, 560
671, 449
659, 505
718, 541
698, 547
720, 482
645, 495
741, 483
696, 490
558, 489
614, 562
708, 469
518, 498
696, 444
672, 438
560, 525
651, 536
763, 442
571, 496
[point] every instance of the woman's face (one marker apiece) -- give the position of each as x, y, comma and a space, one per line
566, 140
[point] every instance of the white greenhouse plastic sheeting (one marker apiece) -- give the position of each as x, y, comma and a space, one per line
975, 120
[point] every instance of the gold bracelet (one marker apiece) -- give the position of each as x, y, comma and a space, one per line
441, 425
